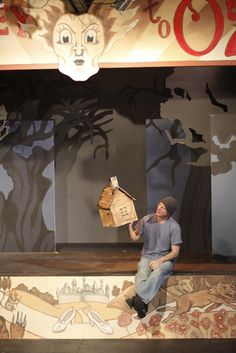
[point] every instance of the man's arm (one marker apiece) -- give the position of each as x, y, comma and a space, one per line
172, 255
134, 235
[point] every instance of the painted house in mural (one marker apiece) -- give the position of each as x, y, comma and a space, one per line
116, 206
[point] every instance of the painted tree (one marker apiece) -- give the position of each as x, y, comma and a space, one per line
27, 151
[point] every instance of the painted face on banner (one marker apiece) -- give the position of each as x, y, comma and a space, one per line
78, 42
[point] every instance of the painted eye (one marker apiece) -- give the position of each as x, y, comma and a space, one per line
65, 36
91, 36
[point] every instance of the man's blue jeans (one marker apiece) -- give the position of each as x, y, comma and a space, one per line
148, 281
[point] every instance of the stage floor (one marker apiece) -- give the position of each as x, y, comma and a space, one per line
118, 346
103, 259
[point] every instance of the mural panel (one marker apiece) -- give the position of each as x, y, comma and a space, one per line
95, 307
147, 33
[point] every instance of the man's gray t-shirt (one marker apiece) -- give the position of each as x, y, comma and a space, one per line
158, 237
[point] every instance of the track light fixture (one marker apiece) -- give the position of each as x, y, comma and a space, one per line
79, 7
82, 6
122, 5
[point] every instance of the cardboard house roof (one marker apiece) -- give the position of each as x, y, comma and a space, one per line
108, 195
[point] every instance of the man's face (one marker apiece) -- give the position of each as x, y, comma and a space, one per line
79, 42
161, 210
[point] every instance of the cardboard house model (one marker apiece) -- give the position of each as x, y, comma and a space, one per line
116, 206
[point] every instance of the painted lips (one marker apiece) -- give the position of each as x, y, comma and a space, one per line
79, 61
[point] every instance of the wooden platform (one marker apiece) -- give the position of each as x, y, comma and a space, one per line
97, 259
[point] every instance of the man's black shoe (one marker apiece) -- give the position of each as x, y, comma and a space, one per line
130, 302
140, 306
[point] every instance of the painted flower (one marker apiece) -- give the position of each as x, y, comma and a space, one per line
221, 327
182, 328
141, 329
220, 316
124, 319
196, 314
194, 323
158, 334
205, 323
231, 321
155, 320
171, 326
215, 334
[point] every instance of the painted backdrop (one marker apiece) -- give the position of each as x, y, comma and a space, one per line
44, 34
153, 129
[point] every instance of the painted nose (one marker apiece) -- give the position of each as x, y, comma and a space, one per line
78, 49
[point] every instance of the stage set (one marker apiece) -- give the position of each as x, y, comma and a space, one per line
78, 294
104, 110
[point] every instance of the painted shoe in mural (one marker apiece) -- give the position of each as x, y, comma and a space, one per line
96, 319
67, 317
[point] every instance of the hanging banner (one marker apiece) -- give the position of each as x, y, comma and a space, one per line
48, 34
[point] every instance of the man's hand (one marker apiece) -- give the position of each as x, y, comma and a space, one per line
130, 226
132, 233
155, 263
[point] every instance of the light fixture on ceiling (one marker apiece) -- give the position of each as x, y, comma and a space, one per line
122, 5
78, 7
